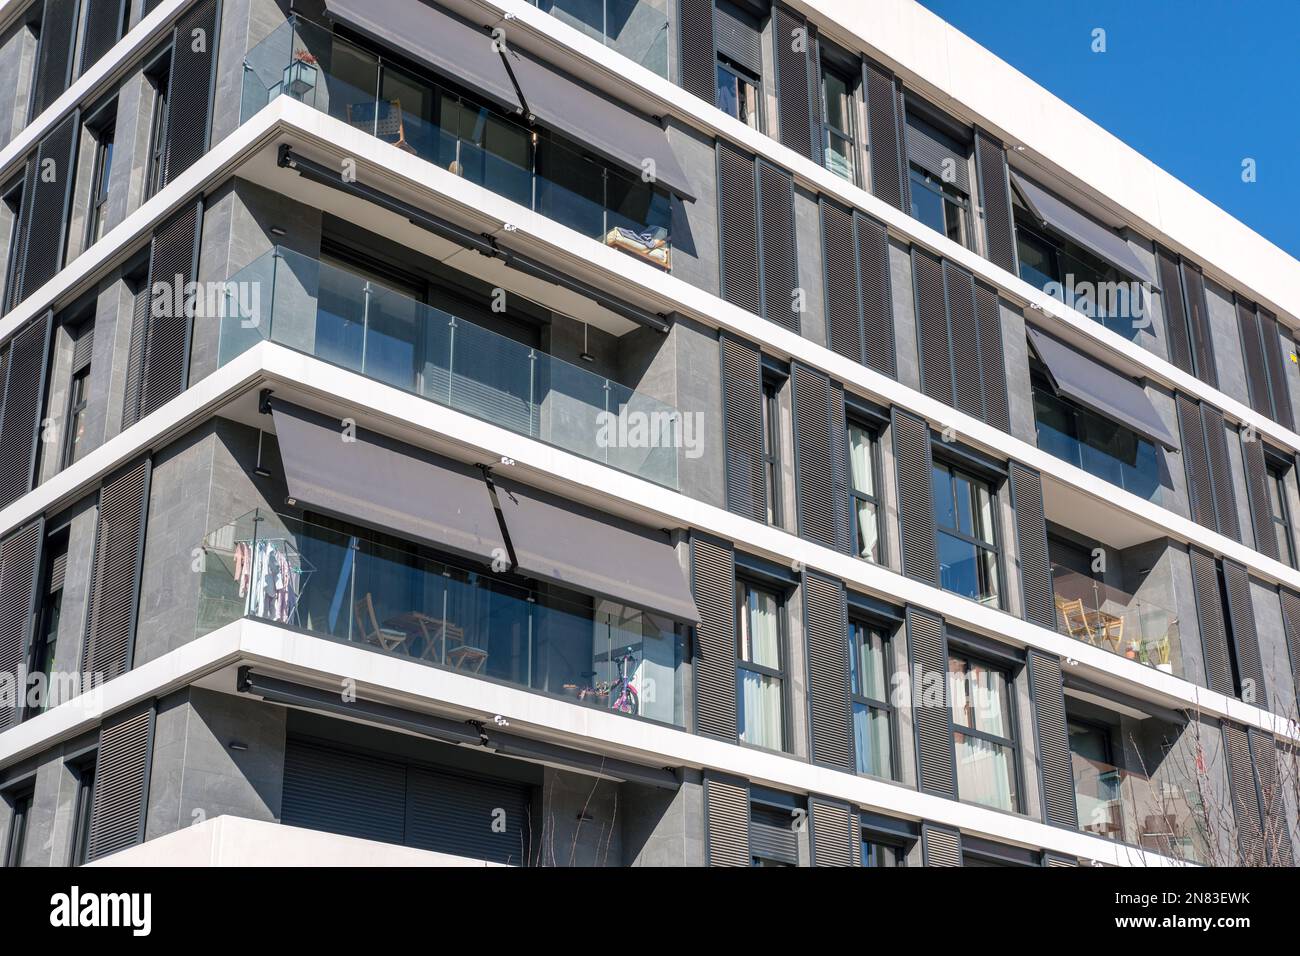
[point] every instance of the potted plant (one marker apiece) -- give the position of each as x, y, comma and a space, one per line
1161, 655
300, 74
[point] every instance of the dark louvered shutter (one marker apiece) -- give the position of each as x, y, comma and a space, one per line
1058, 859
726, 820
738, 227
778, 259
1198, 323
884, 137
1200, 490
115, 587
1245, 798
1171, 288
932, 326
1252, 354
993, 370
338, 791
54, 56
742, 413
940, 846
1265, 754
793, 83
1048, 697
995, 197
1271, 332
825, 617
20, 561
843, 308
103, 28
927, 647
1291, 624
965, 368
834, 833
877, 302
713, 582
165, 348
467, 816
840, 470
739, 38
1214, 631
1245, 639
937, 153
1216, 445
1031, 540
47, 229
822, 500
1257, 494
699, 75
914, 464
20, 416
135, 356
194, 57
121, 794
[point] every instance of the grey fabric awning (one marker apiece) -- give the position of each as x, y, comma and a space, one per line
386, 484
596, 554
1104, 391
465, 54
1081, 229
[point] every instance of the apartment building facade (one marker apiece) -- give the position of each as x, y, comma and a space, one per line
624, 432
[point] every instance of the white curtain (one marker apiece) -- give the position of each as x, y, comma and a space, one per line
983, 772
760, 710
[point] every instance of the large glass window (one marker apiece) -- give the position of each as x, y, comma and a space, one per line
863, 502
881, 854
967, 538
983, 733
873, 716
838, 138
941, 206
738, 93
759, 672
1280, 514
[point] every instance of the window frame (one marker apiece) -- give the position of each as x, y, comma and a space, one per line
969, 656
873, 433
103, 127
744, 584
954, 468
950, 196
158, 74
849, 136
11, 194
21, 799
1276, 472
739, 77
890, 661
85, 772
770, 385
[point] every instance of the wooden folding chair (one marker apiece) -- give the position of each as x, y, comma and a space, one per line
387, 638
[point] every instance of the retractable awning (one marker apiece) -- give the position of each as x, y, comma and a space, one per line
1103, 390
467, 55
1081, 229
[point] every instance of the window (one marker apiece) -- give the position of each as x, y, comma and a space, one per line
159, 77
1058, 266
1280, 514
738, 93
838, 136
772, 448
863, 501
12, 212
78, 393
983, 733
941, 206
967, 538
759, 674
873, 716
1098, 783
98, 218
772, 836
85, 800
21, 809
881, 854
42, 655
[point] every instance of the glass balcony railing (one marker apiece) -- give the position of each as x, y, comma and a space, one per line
1099, 446
341, 318
532, 167
1106, 617
338, 584
638, 29
1130, 808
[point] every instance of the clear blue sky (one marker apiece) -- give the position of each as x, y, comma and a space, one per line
1196, 86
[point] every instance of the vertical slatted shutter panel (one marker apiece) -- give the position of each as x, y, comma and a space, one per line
840, 470
338, 791
14, 287
738, 227
914, 464
1198, 323
454, 813
1257, 495
20, 417
940, 846
1291, 623
927, 646
1214, 633
1252, 353
135, 357
778, 259
993, 371
54, 57
1031, 538
713, 580
1057, 859
192, 79
793, 90
20, 554
83, 347
995, 197
115, 580
698, 60
825, 617
932, 326
1171, 287
117, 811
47, 228
1196, 459
843, 309
726, 819
883, 137
1271, 332
103, 29
877, 302
1267, 754
834, 834
742, 412
1245, 639
1048, 696
1245, 798
965, 369
817, 116
1216, 444
818, 503
173, 258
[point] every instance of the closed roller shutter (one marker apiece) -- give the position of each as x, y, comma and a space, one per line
1048, 697
713, 580
927, 647
938, 153
467, 816
825, 613
342, 792
115, 580
121, 794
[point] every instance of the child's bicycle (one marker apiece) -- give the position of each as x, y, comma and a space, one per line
622, 695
